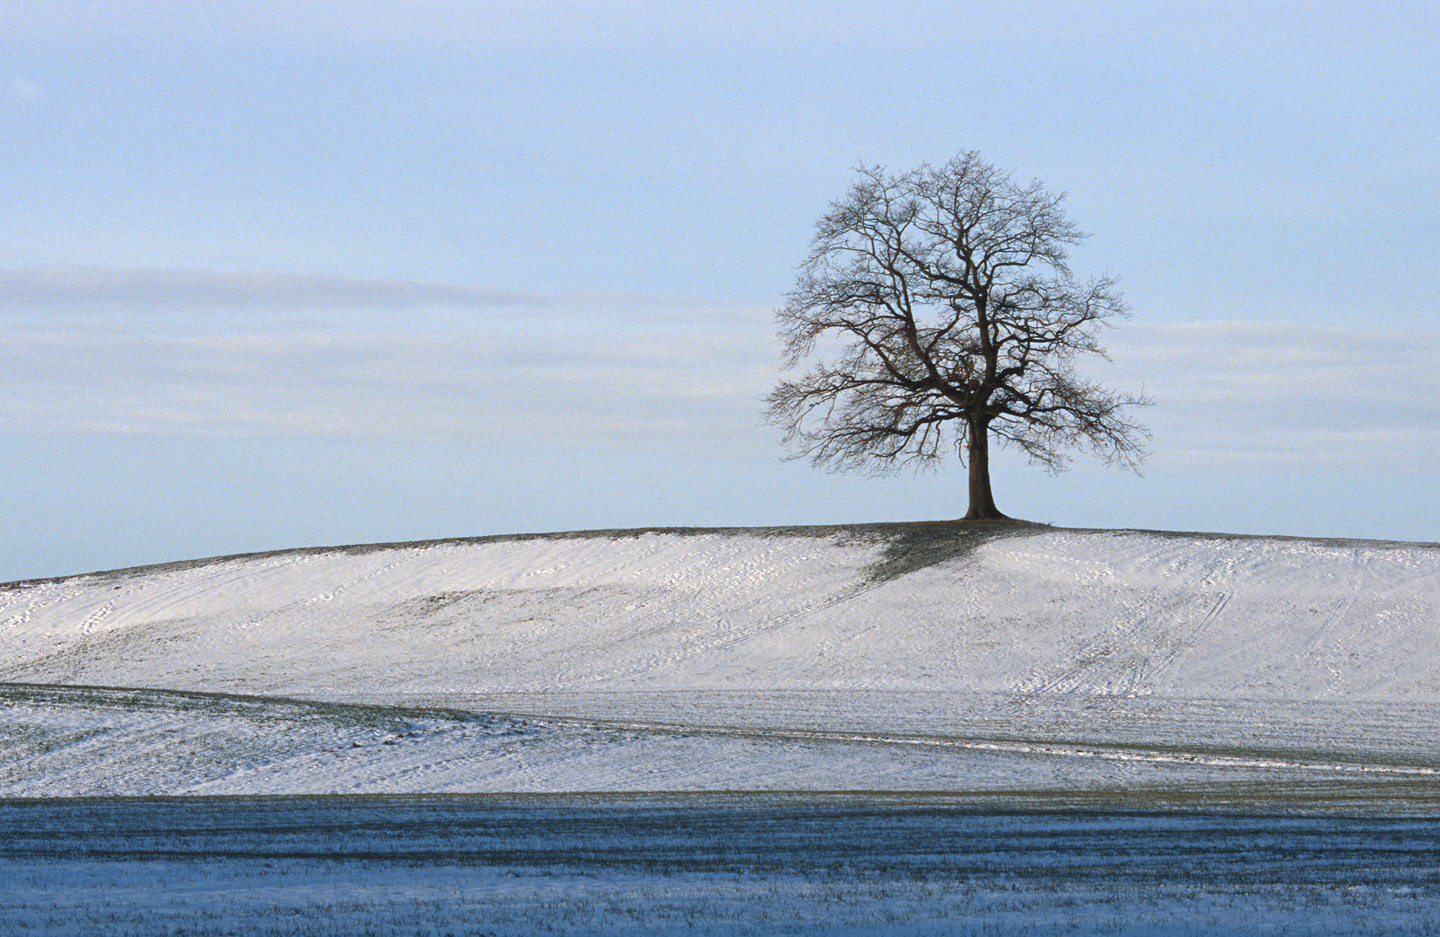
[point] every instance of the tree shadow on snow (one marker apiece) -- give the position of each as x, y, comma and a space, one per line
917, 545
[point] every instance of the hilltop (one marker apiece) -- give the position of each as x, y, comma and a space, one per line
925, 656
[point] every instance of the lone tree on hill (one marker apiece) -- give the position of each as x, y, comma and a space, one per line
939, 309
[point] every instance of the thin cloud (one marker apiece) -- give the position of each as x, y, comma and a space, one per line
666, 388
147, 288
1228, 394
1280, 394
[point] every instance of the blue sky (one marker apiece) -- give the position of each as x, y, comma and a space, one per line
292, 274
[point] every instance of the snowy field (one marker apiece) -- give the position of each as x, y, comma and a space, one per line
885, 657
993, 686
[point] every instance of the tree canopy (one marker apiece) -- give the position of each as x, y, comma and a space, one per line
937, 309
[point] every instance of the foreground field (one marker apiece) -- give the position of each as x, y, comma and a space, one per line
704, 864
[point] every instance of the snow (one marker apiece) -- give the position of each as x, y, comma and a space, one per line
894, 657
907, 729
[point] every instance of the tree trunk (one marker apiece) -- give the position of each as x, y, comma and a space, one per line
982, 501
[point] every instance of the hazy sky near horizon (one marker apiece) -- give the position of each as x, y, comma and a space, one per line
287, 274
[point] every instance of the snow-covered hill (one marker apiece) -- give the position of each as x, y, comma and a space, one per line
936, 656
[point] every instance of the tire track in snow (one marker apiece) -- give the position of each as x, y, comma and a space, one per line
1187, 640
1128, 656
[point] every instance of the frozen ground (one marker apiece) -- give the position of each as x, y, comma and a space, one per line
702, 864
881, 657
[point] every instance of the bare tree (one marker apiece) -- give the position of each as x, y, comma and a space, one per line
939, 309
